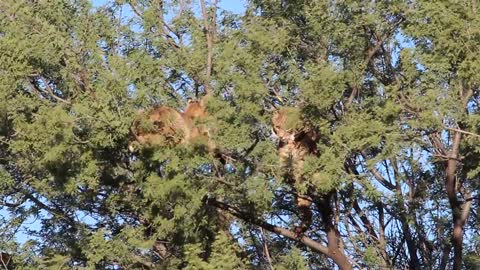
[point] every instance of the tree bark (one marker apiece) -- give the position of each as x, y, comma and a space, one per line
455, 204
333, 235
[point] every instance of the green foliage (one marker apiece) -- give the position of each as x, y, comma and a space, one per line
224, 255
293, 260
386, 86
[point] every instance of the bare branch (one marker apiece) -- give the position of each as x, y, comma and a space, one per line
463, 132
209, 28
265, 249
369, 56
378, 175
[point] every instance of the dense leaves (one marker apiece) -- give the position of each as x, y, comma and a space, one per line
391, 89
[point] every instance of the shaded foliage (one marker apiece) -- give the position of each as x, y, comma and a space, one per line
391, 89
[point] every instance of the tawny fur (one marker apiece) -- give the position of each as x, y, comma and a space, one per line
295, 144
171, 127
195, 110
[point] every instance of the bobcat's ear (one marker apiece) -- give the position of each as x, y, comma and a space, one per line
195, 110
131, 147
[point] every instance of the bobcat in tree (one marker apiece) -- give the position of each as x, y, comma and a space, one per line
166, 126
297, 140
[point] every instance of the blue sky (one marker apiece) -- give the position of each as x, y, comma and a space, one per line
236, 6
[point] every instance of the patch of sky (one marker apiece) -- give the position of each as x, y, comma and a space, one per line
234, 6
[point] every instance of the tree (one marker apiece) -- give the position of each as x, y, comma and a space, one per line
382, 101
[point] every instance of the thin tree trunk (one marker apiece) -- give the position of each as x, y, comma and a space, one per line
381, 236
333, 235
411, 245
455, 205
445, 255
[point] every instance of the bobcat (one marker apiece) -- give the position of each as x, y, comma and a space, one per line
297, 140
164, 125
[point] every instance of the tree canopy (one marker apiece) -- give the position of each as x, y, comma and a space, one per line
387, 92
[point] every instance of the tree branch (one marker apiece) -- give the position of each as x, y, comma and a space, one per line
209, 28
50, 91
269, 227
371, 53
378, 175
463, 132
